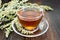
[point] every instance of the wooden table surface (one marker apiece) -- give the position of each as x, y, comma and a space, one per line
54, 20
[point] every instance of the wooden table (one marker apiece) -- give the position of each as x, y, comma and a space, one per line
53, 18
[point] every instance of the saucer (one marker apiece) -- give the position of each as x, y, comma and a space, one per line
42, 28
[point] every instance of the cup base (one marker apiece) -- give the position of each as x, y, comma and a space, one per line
34, 30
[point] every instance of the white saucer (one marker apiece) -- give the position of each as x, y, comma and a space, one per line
43, 26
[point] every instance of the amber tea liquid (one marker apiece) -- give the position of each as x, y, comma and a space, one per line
29, 19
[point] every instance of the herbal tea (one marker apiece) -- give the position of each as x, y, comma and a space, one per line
29, 19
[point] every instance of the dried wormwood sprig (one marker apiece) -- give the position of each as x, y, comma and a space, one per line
8, 13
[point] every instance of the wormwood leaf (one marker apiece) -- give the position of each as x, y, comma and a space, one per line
46, 7
8, 30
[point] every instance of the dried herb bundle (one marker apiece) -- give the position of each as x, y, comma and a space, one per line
8, 12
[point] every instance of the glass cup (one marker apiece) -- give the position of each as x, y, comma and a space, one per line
29, 18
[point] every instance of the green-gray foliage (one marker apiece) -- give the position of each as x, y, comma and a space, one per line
8, 13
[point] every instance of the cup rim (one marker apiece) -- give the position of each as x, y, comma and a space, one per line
41, 10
